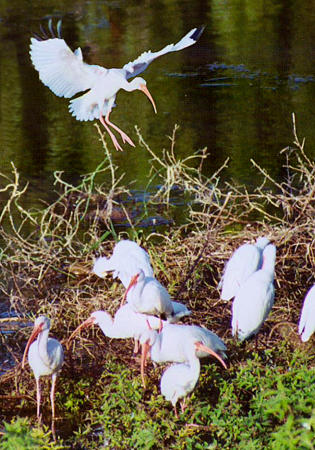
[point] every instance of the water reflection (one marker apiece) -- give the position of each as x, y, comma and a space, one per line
234, 91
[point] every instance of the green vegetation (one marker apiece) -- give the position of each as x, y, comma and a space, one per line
19, 435
266, 398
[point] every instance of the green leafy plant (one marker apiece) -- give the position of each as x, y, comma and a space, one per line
19, 435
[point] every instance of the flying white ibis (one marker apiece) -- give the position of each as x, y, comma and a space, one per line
246, 260
127, 257
45, 356
178, 380
255, 297
125, 324
180, 344
307, 319
66, 74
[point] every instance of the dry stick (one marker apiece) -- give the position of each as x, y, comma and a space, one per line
112, 167
15, 397
298, 143
193, 266
14, 319
307, 201
11, 352
277, 326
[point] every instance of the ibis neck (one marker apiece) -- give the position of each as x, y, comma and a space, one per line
194, 364
157, 350
112, 328
42, 342
129, 85
135, 292
268, 264
106, 324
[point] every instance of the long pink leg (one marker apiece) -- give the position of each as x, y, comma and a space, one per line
113, 138
123, 135
183, 405
52, 394
136, 347
38, 398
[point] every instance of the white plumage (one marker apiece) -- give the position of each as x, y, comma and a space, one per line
246, 260
255, 297
63, 71
141, 63
66, 74
126, 259
45, 356
307, 319
178, 380
179, 311
147, 295
125, 324
144, 293
181, 344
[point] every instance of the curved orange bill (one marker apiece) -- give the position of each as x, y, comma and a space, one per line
144, 354
132, 283
32, 338
145, 90
200, 346
87, 323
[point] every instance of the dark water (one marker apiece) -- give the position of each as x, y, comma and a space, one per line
233, 92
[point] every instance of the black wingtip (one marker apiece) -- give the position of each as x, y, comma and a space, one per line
197, 33
44, 35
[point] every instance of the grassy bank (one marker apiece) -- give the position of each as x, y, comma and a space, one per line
266, 398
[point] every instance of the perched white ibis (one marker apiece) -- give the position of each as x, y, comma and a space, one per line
147, 295
255, 297
180, 344
125, 324
45, 356
127, 257
307, 319
246, 260
178, 380
66, 74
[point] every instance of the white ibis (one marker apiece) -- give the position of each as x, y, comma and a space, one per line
45, 356
125, 324
179, 311
254, 298
66, 74
178, 380
147, 295
127, 257
246, 260
307, 319
180, 344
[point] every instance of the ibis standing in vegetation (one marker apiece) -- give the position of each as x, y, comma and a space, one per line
45, 356
246, 260
66, 74
147, 295
125, 324
255, 297
307, 319
178, 380
126, 259
180, 344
